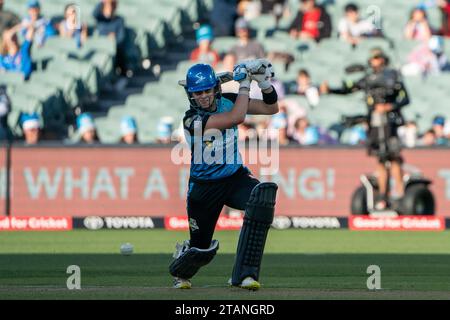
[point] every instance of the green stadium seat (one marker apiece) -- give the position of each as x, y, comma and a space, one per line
54, 108
25, 103
116, 113
224, 44
101, 44
67, 85
13, 122
104, 64
81, 70
11, 80
262, 25
108, 130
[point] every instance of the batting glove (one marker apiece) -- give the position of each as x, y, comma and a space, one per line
240, 75
260, 70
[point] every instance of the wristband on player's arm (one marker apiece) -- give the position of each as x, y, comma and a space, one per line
270, 98
244, 90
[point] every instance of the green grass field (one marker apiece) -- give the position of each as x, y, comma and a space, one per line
297, 265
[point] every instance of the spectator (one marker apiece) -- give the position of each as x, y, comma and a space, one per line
440, 61
438, 129
275, 7
428, 139
5, 107
247, 131
15, 57
245, 49
427, 58
304, 87
249, 9
355, 135
278, 127
71, 27
408, 134
304, 133
312, 22
352, 28
43, 27
204, 53
418, 27
165, 129
128, 129
112, 26
222, 17
8, 19
31, 128
86, 129
445, 9
294, 111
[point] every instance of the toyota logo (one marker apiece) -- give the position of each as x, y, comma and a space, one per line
93, 223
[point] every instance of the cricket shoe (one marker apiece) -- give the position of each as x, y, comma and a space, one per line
179, 283
248, 283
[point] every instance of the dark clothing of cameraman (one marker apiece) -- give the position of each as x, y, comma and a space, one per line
382, 87
385, 96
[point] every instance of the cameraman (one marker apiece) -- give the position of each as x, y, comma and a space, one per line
385, 96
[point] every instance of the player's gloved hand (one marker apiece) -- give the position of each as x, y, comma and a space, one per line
240, 75
260, 70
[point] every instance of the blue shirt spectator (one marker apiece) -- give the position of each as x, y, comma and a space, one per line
15, 57
438, 129
43, 27
304, 133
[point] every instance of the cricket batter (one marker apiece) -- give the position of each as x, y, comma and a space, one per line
217, 175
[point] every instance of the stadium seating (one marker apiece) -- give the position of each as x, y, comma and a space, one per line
67, 76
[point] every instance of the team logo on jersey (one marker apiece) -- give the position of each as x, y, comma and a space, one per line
188, 122
193, 225
199, 77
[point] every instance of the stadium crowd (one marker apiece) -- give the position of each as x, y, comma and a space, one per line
19, 31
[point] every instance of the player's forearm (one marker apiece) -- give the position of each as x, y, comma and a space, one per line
241, 106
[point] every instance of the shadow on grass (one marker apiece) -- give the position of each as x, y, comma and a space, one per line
283, 276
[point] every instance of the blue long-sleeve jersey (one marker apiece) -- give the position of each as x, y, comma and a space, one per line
214, 153
20, 62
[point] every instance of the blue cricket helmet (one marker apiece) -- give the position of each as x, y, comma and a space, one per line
201, 77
